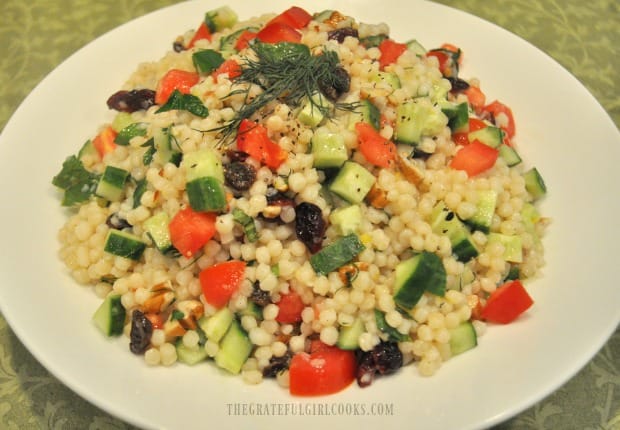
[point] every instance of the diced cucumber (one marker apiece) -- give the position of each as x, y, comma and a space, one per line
123, 244
336, 254
513, 273
206, 194
207, 60
462, 338
110, 316
157, 229
314, 110
220, 18
121, 120
189, 355
393, 334
112, 183
248, 224
445, 222
164, 144
352, 182
323, 15
509, 155
348, 219
534, 183
216, 325
252, 309
373, 41
201, 163
513, 248
88, 149
458, 115
348, 337
366, 112
416, 118
235, 348
490, 135
389, 78
130, 131
416, 47
420, 273
485, 209
328, 150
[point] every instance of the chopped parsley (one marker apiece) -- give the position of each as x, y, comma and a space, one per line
78, 183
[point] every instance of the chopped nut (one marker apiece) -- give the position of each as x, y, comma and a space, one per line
173, 329
409, 170
272, 211
377, 197
192, 311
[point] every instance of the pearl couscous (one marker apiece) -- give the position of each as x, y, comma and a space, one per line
298, 186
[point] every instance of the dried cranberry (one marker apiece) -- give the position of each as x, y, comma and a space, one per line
335, 84
310, 225
458, 84
239, 176
277, 365
383, 359
237, 155
341, 33
141, 332
277, 198
260, 297
131, 101
116, 222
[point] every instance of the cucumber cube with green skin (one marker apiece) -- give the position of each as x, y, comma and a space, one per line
157, 229
112, 183
328, 150
462, 338
446, 223
124, 244
216, 325
458, 115
348, 219
420, 273
201, 163
491, 136
534, 183
235, 348
349, 336
190, 355
366, 112
417, 118
206, 194
509, 155
485, 209
336, 254
314, 110
110, 316
513, 247
220, 18
352, 182
163, 141
389, 78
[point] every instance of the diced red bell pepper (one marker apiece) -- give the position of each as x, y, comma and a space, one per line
375, 148
290, 306
252, 139
104, 141
326, 370
175, 79
220, 281
390, 51
202, 33
506, 303
496, 109
475, 97
244, 39
295, 17
191, 230
230, 66
474, 158
279, 32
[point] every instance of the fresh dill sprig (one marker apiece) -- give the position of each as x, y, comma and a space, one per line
289, 73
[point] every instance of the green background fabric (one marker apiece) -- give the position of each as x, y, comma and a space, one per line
37, 35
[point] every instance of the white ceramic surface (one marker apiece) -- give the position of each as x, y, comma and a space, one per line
561, 129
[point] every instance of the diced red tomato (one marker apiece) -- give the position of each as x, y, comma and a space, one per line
474, 158
244, 39
220, 281
506, 303
390, 51
326, 370
295, 17
475, 97
460, 138
375, 148
496, 109
191, 230
453, 48
279, 32
443, 59
175, 79
230, 66
290, 306
104, 141
252, 139
202, 33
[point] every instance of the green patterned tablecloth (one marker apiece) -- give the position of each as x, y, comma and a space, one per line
37, 35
